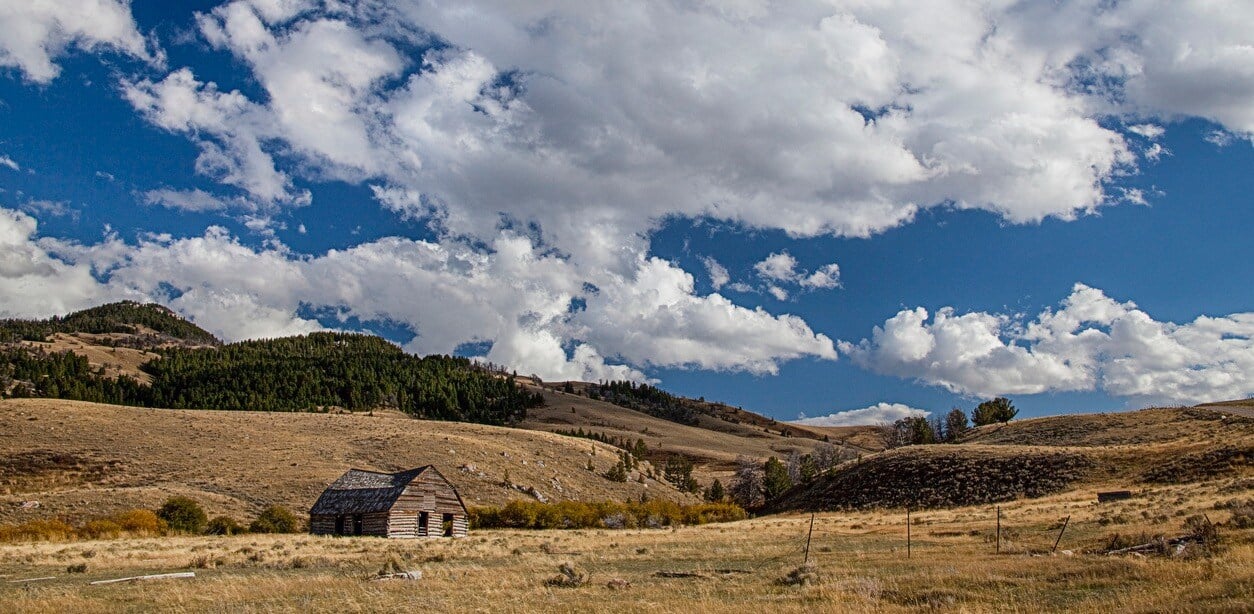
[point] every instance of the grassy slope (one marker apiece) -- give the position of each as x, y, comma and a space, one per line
714, 443
115, 457
1111, 451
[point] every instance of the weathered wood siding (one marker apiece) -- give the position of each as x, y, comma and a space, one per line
322, 525
432, 494
375, 524
461, 525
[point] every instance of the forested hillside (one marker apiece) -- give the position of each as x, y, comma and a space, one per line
644, 398
315, 372
319, 370
127, 317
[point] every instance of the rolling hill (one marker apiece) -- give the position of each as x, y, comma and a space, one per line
81, 459
1041, 456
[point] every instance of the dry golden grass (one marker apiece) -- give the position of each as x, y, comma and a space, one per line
114, 360
714, 443
860, 558
236, 463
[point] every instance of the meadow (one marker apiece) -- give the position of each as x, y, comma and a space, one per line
859, 564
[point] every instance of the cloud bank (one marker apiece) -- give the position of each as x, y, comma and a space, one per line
880, 413
1091, 342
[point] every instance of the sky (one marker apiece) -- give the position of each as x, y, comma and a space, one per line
843, 212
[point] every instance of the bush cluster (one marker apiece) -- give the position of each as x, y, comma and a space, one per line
176, 515
131, 523
601, 515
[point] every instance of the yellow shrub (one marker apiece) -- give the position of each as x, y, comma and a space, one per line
100, 529
140, 522
37, 530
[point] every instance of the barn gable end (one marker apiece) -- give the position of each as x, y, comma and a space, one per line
408, 504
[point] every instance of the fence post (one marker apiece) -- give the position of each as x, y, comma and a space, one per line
907, 532
1064, 530
808, 536
998, 547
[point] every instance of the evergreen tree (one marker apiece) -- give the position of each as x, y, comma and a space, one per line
999, 409
956, 424
715, 493
774, 478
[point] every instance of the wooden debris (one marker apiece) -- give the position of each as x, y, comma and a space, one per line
678, 574
413, 574
617, 584
1159, 545
39, 579
160, 576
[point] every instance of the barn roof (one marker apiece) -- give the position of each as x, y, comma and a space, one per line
363, 492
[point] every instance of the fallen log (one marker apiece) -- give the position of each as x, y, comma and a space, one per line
1159, 545
678, 574
160, 576
39, 579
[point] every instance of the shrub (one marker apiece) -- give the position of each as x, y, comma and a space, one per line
37, 530
183, 514
224, 525
517, 515
1242, 515
101, 528
568, 576
275, 519
601, 515
141, 522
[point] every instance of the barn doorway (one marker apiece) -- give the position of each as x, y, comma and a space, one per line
424, 519
448, 525
339, 525
358, 524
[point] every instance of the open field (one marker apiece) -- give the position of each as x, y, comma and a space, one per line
83, 460
860, 557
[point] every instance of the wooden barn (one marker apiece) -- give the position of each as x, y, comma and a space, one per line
415, 503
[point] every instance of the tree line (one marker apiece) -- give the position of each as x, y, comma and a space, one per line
643, 398
918, 430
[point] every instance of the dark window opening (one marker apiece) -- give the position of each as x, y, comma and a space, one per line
423, 520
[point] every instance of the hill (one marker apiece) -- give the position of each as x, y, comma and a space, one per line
1041, 456
84, 460
145, 355
711, 442
305, 373
126, 323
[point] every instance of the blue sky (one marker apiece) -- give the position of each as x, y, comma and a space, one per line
802, 210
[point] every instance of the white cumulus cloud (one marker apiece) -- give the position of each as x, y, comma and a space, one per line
880, 413
33, 33
1091, 342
